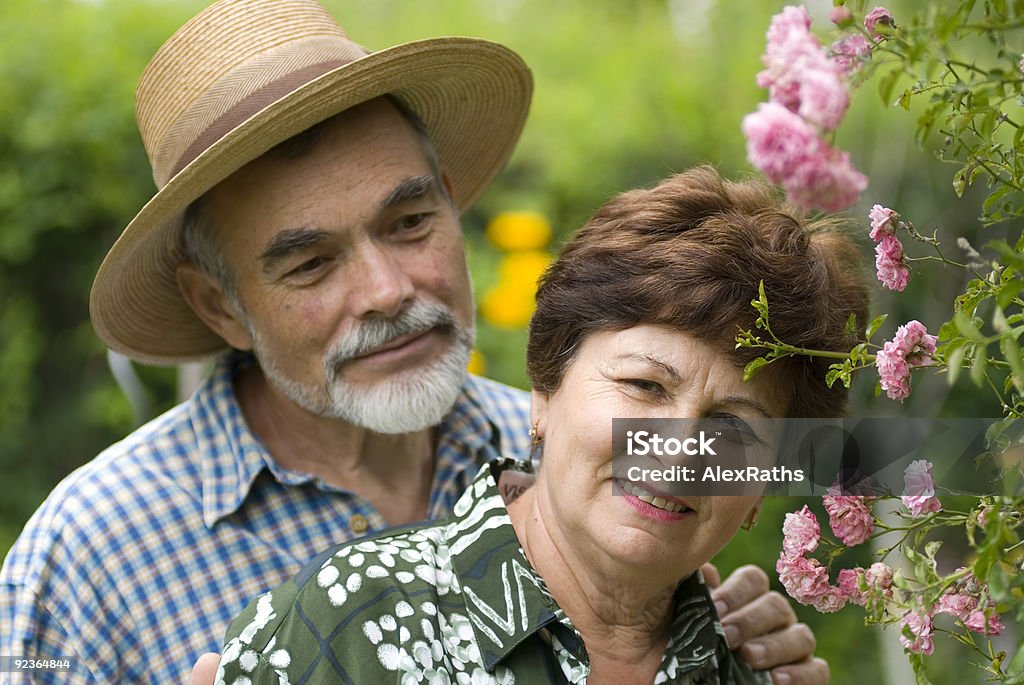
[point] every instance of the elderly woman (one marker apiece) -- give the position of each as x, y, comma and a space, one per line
583, 577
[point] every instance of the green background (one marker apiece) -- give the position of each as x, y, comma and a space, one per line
626, 93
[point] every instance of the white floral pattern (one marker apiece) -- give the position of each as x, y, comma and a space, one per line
455, 602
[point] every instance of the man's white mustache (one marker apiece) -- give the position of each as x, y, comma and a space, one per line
371, 335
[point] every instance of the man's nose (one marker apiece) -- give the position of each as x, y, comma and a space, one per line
381, 287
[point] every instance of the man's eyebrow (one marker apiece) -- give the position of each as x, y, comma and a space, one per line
653, 361
412, 188
288, 242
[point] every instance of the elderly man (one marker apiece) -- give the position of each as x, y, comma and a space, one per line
307, 218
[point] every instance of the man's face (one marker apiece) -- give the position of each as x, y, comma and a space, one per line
351, 274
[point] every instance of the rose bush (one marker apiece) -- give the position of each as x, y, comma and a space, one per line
970, 93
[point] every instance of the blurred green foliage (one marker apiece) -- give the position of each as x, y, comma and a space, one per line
626, 93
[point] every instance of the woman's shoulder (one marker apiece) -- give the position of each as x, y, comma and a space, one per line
350, 611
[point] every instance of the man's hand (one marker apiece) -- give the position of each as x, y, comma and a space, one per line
763, 627
205, 669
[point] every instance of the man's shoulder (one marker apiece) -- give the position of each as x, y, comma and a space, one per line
508, 409
108, 497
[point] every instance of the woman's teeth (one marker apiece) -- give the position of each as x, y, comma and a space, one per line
653, 500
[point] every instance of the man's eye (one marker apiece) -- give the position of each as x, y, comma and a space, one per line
413, 222
308, 266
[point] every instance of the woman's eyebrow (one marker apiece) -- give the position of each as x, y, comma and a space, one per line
653, 361
747, 402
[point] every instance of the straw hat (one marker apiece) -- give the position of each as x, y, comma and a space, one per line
245, 75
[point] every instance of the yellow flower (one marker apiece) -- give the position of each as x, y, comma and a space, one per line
524, 268
513, 231
507, 305
477, 364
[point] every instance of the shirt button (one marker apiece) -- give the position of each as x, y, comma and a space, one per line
358, 524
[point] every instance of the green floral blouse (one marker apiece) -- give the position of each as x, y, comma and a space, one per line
447, 602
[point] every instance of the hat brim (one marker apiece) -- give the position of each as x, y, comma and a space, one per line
473, 96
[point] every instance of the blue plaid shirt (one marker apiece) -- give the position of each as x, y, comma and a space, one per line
138, 561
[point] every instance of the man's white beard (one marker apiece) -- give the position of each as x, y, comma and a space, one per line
404, 403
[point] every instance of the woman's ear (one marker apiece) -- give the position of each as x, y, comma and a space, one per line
753, 514
207, 299
539, 412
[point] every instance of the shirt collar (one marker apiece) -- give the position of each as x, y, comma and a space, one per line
506, 613
232, 457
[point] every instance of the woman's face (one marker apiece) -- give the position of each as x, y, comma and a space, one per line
648, 372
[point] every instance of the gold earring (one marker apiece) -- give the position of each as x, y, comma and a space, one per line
536, 442
535, 438
751, 519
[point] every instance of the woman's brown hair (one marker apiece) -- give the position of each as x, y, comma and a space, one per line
690, 253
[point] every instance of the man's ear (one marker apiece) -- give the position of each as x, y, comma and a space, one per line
207, 299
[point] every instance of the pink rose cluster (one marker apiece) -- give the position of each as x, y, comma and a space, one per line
890, 265
808, 97
912, 346
806, 580
919, 489
963, 602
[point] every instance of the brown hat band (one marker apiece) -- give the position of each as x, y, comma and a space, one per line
249, 105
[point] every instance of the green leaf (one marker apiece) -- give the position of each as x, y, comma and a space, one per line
751, 369
904, 100
1012, 353
886, 86
967, 327
875, 324
850, 329
955, 362
840, 371
980, 364
995, 195
960, 182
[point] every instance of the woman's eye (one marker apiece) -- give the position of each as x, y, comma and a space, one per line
735, 428
648, 387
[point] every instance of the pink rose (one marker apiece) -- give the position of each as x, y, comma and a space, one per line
826, 180
915, 344
801, 532
849, 517
917, 632
849, 585
983, 515
850, 53
824, 98
878, 17
804, 579
889, 263
957, 604
778, 141
883, 222
893, 372
840, 16
979, 623
879, 576
919, 489
790, 49
829, 601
